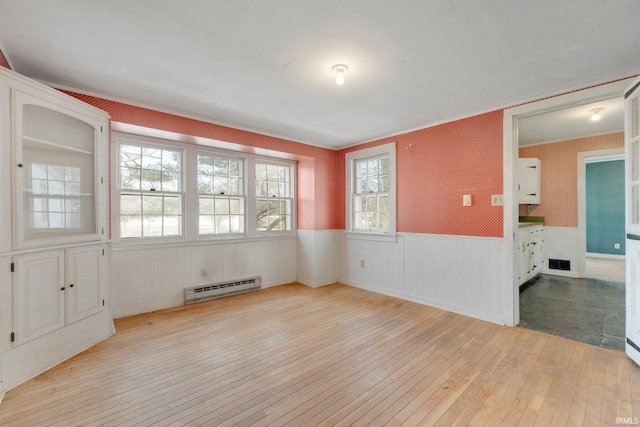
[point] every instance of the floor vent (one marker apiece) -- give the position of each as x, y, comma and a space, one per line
217, 290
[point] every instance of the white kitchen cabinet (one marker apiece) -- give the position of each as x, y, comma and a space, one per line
530, 251
528, 180
53, 228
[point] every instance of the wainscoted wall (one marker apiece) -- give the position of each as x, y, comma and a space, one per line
456, 273
318, 257
146, 278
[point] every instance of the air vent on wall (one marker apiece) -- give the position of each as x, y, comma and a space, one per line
217, 290
559, 264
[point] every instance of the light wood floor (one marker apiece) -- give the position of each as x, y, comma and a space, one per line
337, 355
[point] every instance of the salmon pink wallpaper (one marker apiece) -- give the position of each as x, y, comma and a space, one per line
3, 61
436, 166
316, 166
559, 176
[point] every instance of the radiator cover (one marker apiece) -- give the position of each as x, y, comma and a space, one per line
221, 289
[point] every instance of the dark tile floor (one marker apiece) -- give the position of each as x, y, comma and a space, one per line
586, 310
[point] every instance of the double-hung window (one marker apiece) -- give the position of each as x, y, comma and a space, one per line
274, 200
371, 201
172, 191
221, 198
151, 193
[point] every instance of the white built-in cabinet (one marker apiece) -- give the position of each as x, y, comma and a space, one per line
530, 251
528, 180
53, 228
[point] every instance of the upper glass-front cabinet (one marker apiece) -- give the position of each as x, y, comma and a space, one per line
59, 172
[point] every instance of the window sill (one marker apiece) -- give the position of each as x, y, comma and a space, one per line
132, 246
376, 237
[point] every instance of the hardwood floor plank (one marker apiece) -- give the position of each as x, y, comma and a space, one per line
336, 355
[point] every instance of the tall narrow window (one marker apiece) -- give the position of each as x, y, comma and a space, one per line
151, 193
274, 201
371, 190
221, 201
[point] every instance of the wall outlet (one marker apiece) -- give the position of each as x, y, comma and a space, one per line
616, 246
497, 200
203, 272
361, 263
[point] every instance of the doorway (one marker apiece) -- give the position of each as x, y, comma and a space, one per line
511, 209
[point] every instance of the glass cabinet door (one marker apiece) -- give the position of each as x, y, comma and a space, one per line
56, 185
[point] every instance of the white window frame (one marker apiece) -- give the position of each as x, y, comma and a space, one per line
351, 158
190, 201
149, 143
242, 196
292, 195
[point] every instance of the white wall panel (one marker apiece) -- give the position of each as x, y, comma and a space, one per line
317, 257
154, 277
561, 243
460, 274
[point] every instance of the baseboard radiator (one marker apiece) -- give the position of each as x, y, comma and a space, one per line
221, 289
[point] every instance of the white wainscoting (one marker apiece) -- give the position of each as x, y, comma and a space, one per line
151, 277
562, 243
318, 257
456, 273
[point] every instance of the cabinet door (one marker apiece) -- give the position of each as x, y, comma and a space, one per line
528, 181
85, 269
57, 173
524, 261
536, 256
38, 293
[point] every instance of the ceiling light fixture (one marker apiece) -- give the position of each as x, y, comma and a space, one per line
595, 114
339, 69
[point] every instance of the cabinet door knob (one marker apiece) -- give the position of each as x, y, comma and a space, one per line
71, 285
62, 288
20, 165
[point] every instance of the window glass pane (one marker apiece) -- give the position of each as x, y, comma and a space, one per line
234, 206
152, 205
205, 185
221, 206
151, 179
206, 206
205, 165
38, 171
384, 166
171, 226
170, 181
172, 205
130, 178
130, 204
220, 185
234, 168
221, 166
235, 224
56, 188
151, 158
207, 224
384, 183
130, 226
171, 161
130, 156
234, 186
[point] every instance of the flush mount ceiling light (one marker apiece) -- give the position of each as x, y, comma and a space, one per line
595, 114
339, 69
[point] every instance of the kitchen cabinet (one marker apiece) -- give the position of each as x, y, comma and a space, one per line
530, 251
528, 180
53, 228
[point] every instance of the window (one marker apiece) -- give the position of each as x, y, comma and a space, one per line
273, 197
371, 190
150, 191
220, 195
172, 191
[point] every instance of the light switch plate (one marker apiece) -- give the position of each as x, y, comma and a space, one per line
497, 200
466, 200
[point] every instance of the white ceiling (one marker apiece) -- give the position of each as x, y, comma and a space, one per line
266, 65
571, 123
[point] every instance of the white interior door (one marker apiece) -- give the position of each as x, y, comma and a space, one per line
632, 184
